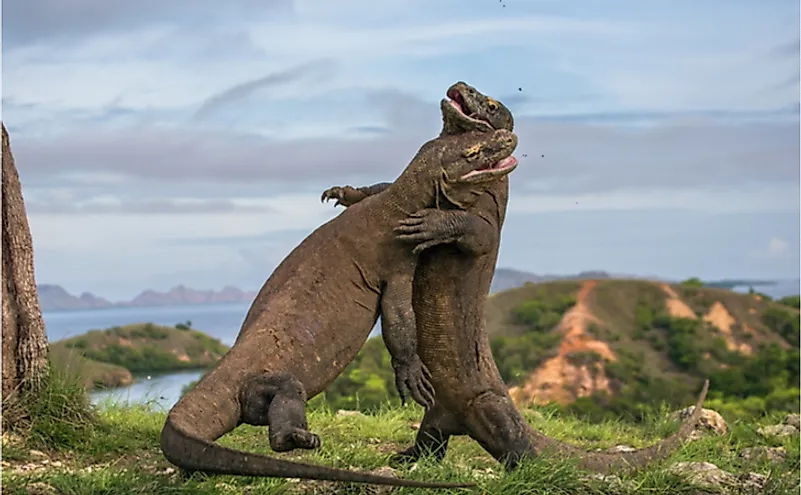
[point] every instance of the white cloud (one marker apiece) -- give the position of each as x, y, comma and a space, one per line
763, 199
776, 248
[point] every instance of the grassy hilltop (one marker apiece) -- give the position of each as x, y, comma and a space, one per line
111, 357
614, 345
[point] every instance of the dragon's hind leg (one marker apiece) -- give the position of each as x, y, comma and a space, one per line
495, 423
278, 400
437, 427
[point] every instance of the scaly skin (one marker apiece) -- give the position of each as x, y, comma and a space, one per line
451, 285
315, 312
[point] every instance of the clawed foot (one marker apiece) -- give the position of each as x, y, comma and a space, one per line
295, 439
345, 196
404, 458
427, 228
413, 378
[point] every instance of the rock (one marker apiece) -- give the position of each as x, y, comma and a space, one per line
709, 476
771, 454
10, 438
487, 473
37, 453
751, 482
611, 481
781, 430
40, 488
415, 426
345, 412
381, 489
620, 448
793, 420
709, 421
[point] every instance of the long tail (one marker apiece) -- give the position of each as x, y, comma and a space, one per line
623, 461
189, 452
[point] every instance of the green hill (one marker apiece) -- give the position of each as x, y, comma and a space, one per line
110, 357
624, 344
620, 348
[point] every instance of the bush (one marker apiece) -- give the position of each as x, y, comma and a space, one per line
693, 282
145, 359
367, 382
784, 322
184, 326
682, 343
542, 312
149, 331
516, 357
792, 301
58, 415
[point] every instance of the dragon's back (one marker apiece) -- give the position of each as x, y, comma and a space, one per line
317, 308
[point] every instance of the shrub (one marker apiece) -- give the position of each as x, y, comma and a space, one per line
517, 356
58, 415
144, 359
693, 282
184, 326
783, 322
792, 301
682, 344
543, 312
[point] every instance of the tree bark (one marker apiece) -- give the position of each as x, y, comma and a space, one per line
24, 339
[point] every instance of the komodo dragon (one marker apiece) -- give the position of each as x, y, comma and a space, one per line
316, 311
451, 285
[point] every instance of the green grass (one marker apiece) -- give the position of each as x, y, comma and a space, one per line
117, 451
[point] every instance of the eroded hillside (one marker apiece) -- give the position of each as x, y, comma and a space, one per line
594, 340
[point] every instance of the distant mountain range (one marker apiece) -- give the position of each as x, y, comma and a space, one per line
56, 298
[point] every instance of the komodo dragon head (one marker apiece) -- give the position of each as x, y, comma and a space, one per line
466, 109
461, 166
471, 163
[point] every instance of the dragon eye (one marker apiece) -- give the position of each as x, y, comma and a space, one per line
472, 152
492, 104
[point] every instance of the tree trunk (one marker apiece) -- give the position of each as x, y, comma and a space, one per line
24, 339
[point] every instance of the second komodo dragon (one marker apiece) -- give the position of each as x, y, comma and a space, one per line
471, 397
316, 311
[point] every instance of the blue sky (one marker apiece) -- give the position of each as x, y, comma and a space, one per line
188, 141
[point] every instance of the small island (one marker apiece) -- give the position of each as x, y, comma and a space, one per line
110, 358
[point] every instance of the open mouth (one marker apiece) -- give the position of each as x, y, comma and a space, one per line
458, 102
505, 165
